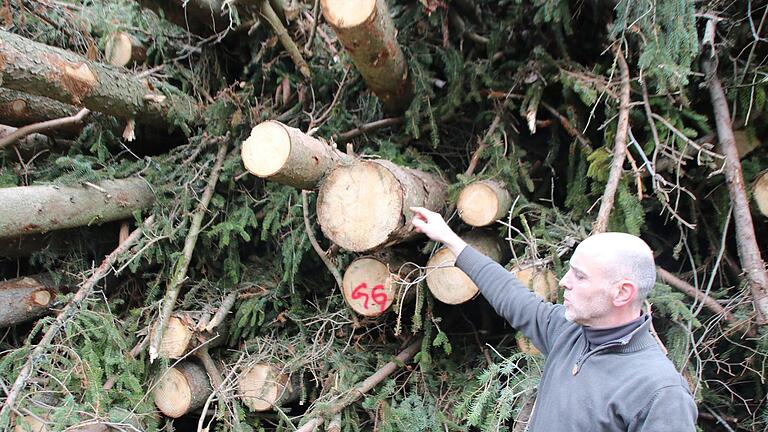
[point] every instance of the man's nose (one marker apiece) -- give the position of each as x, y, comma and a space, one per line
563, 282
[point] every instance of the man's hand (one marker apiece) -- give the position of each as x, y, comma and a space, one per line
433, 225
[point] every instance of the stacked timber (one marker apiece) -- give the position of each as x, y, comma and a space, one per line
372, 285
181, 389
264, 386
483, 202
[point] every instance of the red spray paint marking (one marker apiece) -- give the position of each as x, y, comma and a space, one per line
378, 295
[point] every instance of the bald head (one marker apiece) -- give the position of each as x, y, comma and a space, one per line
623, 256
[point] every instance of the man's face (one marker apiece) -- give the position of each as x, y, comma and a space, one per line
587, 295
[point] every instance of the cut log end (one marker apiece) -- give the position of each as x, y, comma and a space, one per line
348, 13
175, 339
266, 150
482, 203
121, 49
181, 389
360, 205
262, 386
760, 193
41, 298
540, 280
368, 286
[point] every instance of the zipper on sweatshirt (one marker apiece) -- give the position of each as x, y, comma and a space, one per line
586, 354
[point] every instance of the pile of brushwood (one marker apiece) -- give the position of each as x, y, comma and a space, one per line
204, 217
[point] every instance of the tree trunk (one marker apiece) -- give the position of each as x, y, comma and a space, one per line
368, 33
451, 285
37, 209
181, 389
201, 17
20, 109
372, 285
482, 203
746, 242
43, 70
541, 281
288, 156
125, 50
760, 193
263, 386
365, 205
25, 298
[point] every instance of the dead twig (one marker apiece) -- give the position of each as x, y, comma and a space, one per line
43, 126
619, 148
368, 127
315, 245
66, 315
266, 12
691, 291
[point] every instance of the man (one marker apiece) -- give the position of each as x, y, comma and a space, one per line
604, 370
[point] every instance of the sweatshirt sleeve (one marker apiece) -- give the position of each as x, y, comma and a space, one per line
672, 409
538, 320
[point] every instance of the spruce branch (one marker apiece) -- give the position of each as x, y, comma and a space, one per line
266, 12
67, 314
619, 148
182, 265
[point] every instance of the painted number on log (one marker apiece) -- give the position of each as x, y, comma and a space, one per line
377, 294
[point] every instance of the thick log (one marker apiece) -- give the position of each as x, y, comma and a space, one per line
446, 281
366, 205
264, 386
25, 298
368, 33
201, 17
373, 284
760, 193
37, 209
20, 109
124, 49
482, 203
43, 70
181, 389
288, 156
541, 281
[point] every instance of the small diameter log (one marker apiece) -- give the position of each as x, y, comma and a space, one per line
543, 282
482, 203
123, 49
288, 156
36, 209
25, 298
370, 285
263, 386
62, 75
448, 283
200, 17
176, 339
760, 193
181, 389
365, 205
368, 33
20, 109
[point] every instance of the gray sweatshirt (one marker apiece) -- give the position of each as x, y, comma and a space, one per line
626, 384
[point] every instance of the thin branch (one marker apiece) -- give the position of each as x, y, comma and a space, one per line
368, 127
316, 20
619, 148
180, 272
273, 20
315, 245
223, 311
586, 144
691, 291
43, 126
482, 146
67, 314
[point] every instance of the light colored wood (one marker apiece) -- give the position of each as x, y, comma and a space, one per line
760, 193
123, 49
365, 205
448, 283
288, 156
543, 282
29, 423
371, 284
182, 389
176, 339
25, 298
263, 386
482, 203
369, 36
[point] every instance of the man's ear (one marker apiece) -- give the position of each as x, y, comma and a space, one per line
625, 293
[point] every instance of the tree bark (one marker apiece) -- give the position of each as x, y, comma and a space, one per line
372, 285
123, 49
365, 205
746, 242
181, 389
28, 145
37, 209
43, 70
20, 109
760, 193
200, 17
288, 156
483, 202
368, 33
25, 298
263, 386
451, 285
